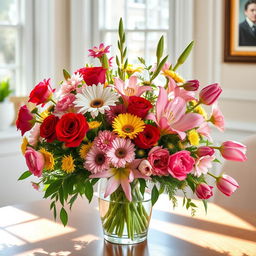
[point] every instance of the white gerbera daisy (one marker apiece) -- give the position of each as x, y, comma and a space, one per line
95, 99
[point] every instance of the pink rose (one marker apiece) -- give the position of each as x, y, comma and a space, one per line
180, 164
35, 161
204, 191
158, 158
227, 185
145, 167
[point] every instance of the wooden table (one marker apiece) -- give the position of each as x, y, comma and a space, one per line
29, 229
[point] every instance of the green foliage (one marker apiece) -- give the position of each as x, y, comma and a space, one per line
63, 216
5, 90
25, 175
154, 195
66, 74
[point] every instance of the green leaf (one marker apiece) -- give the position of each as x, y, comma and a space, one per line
63, 216
105, 61
161, 64
66, 74
217, 161
88, 191
72, 200
205, 205
121, 29
52, 188
52, 205
142, 186
160, 49
54, 212
61, 195
184, 55
154, 195
25, 175
184, 201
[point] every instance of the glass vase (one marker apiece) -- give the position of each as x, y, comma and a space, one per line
125, 222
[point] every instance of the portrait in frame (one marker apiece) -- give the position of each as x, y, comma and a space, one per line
240, 31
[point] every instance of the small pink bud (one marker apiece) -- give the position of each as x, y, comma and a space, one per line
191, 85
204, 191
233, 151
205, 151
209, 94
145, 167
227, 185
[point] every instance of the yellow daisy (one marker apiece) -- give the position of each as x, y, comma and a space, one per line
193, 138
84, 149
24, 145
48, 159
128, 125
67, 164
175, 76
94, 124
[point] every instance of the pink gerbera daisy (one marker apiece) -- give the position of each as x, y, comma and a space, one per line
96, 160
97, 52
122, 152
115, 111
104, 140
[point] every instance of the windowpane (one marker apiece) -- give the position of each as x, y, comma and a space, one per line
8, 12
136, 14
8, 37
113, 11
158, 14
136, 46
110, 38
8, 73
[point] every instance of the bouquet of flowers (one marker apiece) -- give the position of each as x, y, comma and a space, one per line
135, 127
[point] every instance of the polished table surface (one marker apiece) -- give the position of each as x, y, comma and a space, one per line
29, 229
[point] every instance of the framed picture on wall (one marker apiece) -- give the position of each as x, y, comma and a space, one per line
240, 31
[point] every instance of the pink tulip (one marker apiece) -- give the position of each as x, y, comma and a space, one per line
217, 118
233, 151
35, 161
191, 85
209, 94
204, 191
227, 185
205, 151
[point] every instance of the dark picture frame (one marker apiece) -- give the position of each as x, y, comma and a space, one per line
232, 51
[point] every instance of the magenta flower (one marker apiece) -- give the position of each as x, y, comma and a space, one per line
217, 118
121, 153
97, 52
205, 151
35, 161
202, 165
121, 176
114, 111
227, 185
96, 160
171, 116
204, 191
25, 120
191, 85
234, 151
209, 94
129, 88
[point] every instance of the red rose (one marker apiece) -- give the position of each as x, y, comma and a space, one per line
138, 106
147, 138
25, 120
94, 75
42, 93
71, 129
47, 128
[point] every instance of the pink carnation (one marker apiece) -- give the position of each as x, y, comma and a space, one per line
65, 103
104, 140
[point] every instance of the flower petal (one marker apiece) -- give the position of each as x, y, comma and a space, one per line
112, 186
126, 188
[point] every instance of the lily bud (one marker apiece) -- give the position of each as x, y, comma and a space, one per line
209, 94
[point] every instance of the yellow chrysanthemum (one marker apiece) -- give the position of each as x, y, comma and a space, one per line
193, 138
43, 115
128, 125
200, 110
48, 159
84, 149
175, 76
67, 164
24, 145
94, 124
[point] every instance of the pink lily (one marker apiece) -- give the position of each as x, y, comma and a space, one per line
129, 88
202, 165
217, 118
173, 90
121, 176
171, 116
205, 130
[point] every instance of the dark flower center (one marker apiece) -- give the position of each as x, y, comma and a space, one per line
100, 159
120, 153
97, 103
128, 128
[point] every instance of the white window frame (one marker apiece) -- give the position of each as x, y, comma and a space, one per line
85, 31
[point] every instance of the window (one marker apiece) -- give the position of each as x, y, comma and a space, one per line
15, 44
145, 21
